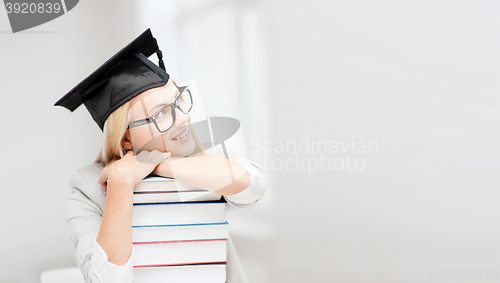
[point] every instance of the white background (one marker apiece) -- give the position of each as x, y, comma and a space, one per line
418, 78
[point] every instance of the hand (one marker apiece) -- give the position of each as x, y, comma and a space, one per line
102, 179
131, 169
164, 169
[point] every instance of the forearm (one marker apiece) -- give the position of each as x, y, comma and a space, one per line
211, 172
115, 233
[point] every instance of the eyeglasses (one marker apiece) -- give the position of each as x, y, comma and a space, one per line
164, 118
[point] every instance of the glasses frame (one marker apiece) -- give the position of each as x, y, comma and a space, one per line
174, 105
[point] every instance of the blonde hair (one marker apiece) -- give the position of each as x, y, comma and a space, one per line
114, 134
115, 127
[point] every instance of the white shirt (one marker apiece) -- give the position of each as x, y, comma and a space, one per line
85, 208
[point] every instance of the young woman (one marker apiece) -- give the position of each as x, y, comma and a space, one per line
101, 198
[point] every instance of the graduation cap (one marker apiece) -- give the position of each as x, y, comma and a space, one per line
123, 76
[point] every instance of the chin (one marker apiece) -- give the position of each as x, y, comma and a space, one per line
181, 150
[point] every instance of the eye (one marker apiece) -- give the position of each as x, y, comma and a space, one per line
163, 113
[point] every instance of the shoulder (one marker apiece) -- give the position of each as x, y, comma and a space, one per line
87, 174
92, 169
83, 182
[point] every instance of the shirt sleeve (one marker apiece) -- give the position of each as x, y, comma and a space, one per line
110, 271
84, 219
248, 198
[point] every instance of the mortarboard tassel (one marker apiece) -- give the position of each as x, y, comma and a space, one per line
160, 59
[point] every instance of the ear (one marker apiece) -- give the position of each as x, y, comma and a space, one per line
126, 141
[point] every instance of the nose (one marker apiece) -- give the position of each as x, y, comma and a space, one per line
181, 119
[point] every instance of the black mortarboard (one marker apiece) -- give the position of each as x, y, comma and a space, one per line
123, 76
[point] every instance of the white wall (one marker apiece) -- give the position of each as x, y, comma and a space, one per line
42, 145
420, 79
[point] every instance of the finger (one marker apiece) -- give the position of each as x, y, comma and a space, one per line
102, 176
144, 152
105, 187
146, 158
153, 154
160, 157
104, 184
143, 156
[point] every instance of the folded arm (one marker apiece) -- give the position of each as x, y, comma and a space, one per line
84, 220
212, 173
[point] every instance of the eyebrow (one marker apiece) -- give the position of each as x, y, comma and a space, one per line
151, 112
155, 108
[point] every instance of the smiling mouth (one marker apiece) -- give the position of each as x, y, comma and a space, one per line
181, 135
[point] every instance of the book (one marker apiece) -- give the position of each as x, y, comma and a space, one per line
179, 233
159, 183
156, 189
154, 233
174, 196
165, 253
203, 273
178, 213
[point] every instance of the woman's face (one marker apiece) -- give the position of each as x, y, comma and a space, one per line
177, 140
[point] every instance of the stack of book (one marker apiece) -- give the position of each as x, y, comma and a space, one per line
179, 233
